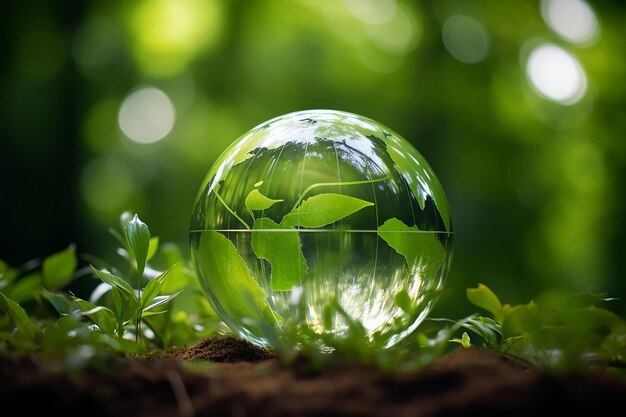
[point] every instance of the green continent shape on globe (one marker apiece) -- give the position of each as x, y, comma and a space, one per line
283, 250
257, 201
230, 279
420, 250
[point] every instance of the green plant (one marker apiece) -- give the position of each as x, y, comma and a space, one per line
127, 313
558, 330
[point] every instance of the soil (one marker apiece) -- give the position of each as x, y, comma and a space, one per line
248, 381
223, 350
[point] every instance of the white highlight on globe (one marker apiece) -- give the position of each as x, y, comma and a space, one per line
556, 74
146, 115
572, 20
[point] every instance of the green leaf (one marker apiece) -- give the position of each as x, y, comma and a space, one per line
153, 288
464, 341
179, 276
18, 316
403, 300
422, 251
486, 328
323, 209
61, 303
114, 281
601, 317
161, 299
272, 316
257, 201
146, 313
59, 268
138, 237
125, 218
129, 308
26, 288
283, 250
118, 304
521, 319
484, 298
231, 282
103, 317
588, 299
153, 247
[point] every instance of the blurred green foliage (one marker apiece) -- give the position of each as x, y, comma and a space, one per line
532, 178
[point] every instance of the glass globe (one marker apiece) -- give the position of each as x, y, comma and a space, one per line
319, 221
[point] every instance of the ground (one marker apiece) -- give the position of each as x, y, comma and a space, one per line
247, 381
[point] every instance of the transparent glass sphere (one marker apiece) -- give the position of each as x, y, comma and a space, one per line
317, 220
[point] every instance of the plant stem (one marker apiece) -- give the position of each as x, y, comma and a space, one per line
230, 210
139, 309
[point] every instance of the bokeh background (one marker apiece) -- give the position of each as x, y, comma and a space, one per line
518, 105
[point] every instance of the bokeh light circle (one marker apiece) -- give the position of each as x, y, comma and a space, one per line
465, 38
146, 115
573, 20
556, 74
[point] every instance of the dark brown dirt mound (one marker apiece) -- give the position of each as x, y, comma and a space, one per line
224, 350
465, 383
